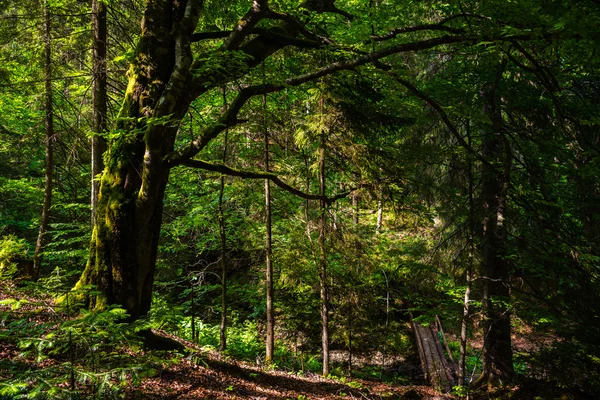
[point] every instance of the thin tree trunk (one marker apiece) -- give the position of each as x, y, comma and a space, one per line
463, 328
193, 311
387, 323
323, 262
223, 236
468, 277
49, 127
223, 328
270, 340
350, 337
379, 211
355, 210
355, 220
99, 103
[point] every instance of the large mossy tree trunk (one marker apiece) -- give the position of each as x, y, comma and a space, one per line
129, 210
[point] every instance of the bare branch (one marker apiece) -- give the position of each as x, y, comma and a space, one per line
269, 34
444, 117
225, 170
427, 27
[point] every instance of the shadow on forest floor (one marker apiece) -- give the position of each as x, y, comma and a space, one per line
217, 379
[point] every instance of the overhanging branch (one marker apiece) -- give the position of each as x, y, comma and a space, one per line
427, 27
444, 117
268, 34
229, 117
225, 170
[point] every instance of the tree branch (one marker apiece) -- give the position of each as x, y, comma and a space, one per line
444, 117
286, 40
269, 34
298, 26
257, 12
427, 27
199, 36
225, 170
229, 117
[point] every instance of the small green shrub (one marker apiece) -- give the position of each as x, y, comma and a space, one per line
14, 256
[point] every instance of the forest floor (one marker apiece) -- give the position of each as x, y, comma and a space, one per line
200, 374
230, 379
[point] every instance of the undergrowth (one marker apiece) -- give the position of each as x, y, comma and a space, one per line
59, 353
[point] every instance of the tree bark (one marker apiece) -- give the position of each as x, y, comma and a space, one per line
99, 103
49, 127
468, 275
323, 262
129, 210
223, 238
379, 211
497, 350
270, 339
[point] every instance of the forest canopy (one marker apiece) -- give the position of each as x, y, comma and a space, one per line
308, 184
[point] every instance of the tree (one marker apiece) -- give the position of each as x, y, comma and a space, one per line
270, 339
49, 126
497, 354
323, 279
99, 97
164, 79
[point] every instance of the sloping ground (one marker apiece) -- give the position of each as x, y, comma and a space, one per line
233, 380
202, 375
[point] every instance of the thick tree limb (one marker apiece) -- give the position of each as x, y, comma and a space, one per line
199, 36
299, 27
229, 118
225, 170
286, 40
370, 58
183, 58
269, 34
427, 27
328, 6
257, 11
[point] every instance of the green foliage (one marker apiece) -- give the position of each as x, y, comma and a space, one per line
380, 137
95, 353
12, 251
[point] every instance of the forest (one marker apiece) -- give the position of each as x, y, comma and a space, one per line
299, 199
